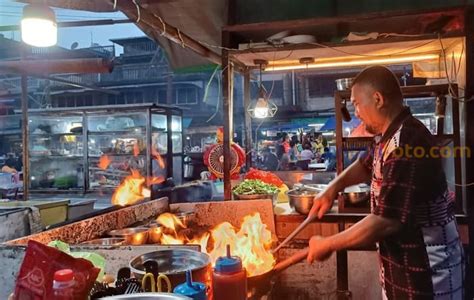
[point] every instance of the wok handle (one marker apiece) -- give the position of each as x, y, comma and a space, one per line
305, 223
294, 259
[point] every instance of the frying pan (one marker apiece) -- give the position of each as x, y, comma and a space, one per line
260, 285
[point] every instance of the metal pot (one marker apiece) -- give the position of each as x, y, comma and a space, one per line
301, 200
105, 242
174, 263
356, 194
133, 236
149, 296
343, 84
154, 233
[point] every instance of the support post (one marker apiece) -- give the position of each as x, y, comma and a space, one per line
247, 120
227, 85
24, 128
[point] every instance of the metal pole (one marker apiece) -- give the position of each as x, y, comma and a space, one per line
247, 120
227, 86
24, 122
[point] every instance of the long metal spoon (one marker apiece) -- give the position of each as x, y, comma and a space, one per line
308, 220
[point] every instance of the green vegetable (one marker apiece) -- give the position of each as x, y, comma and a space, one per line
254, 187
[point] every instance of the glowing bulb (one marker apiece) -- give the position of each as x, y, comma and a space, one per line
38, 26
261, 109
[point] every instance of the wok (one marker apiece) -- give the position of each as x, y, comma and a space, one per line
260, 285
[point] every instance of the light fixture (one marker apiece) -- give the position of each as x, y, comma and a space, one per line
263, 107
349, 62
38, 26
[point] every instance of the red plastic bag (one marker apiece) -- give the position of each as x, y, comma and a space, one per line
35, 280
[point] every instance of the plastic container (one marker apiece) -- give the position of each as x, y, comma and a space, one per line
229, 279
63, 285
193, 290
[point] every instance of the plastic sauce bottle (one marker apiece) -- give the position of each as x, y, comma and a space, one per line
193, 290
63, 285
229, 279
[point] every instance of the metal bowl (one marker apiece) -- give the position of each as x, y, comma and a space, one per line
301, 200
273, 197
343, 84
105, 242
149, 296
174, 263
154, 233
356, 197
133, 236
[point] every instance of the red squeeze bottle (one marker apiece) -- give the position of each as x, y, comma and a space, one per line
229, 279
63, 285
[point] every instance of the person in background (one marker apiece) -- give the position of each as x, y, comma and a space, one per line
270, 161
306, 154
412, 219
293, 151
10, 165
283, 146
329, 159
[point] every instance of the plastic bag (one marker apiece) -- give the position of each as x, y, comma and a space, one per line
96, 259
35, 279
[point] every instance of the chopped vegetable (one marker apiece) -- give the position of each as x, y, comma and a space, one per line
264, 176
254, 187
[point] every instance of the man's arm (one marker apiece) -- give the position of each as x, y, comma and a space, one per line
364, 233
354, 174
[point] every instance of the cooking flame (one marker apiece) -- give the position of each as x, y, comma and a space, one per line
104, 162
252, 242
131, 190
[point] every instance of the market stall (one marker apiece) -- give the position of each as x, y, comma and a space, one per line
340, 275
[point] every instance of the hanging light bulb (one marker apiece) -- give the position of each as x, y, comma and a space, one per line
263, 108
38, 26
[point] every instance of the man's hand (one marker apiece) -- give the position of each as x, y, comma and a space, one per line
319, 249
323, 202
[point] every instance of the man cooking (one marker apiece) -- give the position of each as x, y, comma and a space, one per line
412, 216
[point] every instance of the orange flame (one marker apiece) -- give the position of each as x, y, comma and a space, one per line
155, 180
136, 150
251, 243
104, 162
131, 190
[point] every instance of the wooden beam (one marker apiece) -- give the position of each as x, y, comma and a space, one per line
166, 30
44, 67
247, 120
327, 21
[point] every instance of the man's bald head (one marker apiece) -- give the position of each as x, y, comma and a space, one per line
381, 80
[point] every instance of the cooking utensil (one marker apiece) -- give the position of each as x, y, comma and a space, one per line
132, 288
259, 285
154, 234
173, 263
105, 242
356, 194
305, 223
273, 197
311, 187
132, 236
155, 285
149, 296
301, 200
